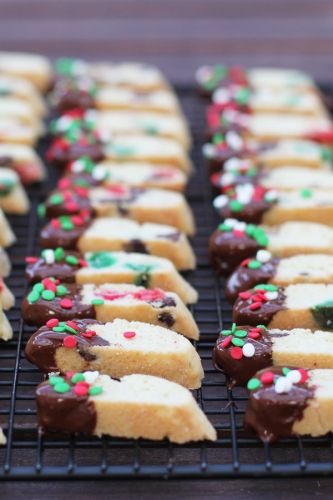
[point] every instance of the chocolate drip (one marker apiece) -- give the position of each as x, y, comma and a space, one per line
244, 278
167, 319
243, 315
227, 251
136, 246
78, 203
251, 212
66, 411
53, 237
42, 345
39, 312
273, 415
40, 270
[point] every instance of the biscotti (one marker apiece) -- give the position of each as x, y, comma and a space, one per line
6, 331
116, 349
20, 88
285, 402
13, 198
23, 160
7, 237
109, 267
50, 299
293, 306
112, 234
243, 350
143, 205
235, 241
133, 407
263, 268
33, 67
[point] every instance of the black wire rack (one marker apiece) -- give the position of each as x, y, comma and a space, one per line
31, 455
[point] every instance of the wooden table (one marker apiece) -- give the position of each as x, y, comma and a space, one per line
178, 36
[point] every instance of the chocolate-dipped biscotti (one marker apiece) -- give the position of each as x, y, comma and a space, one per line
23, 160
116, 349
117, 200
234, 241
134, 406
111, 234
293, 306
51, 299
243, 350
285, 402
109, 267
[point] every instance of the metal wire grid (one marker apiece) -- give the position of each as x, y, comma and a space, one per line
30, 455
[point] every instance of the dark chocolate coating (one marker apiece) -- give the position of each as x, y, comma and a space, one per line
65, 411
239, 180
243, 278
273, 415
38, 313
52, 237
227, 251
243, 315
252, 212
55, 210
60, 157
241, 370
40, 270
42, 345
136, 246
74, 99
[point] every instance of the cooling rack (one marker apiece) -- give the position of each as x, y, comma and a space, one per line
31, 455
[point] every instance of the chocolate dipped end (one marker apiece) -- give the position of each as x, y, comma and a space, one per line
64, 411
251, 309
271, 414
67, 202
60, 156
42, 345
39, 311
53, 236
65, 272
251, 212
244, 278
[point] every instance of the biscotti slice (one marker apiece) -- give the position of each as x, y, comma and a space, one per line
285, 401
7, 237
293, 306
116, 349
7, 299
135, 75
110, 267
264, 268
51, 299
20, 88
13, 198
112, 234
293, 152
22, 111
243, 350
12, 131
143, 205
235, 241
33, 67
5, 264
3, 439
24, 160
6, 332
136, 406
85, 173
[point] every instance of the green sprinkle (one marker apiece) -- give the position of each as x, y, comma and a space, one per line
33, 297
236, 206
59, 254
306, 193
59, 329
65, 65
233, 327
78, 377
237, 342
38, 287
94, 391
242, 96
67, 225
262, 326
70, 329
285, 370
56, 199
226, 332
268, 288
97, 302
240, 333
62, 387
250, 229
48, 295
61, 290
73, 261
253, 384
217, 138
224, 227
254, 264
41, 210
56, 380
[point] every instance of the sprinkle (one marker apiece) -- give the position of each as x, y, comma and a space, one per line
129, 335
72, 325
240, 333
90, 376
282, 385
253, 384
56, 199
255, 305
225, 332
294, 376
70, 342
78, 377
253, 334
55, 380
38, 287
227, 341
272, 295
97, 302
48, 295
285, 371
33, 297
61, 290
80, 389
48, 256
52, 323
89, 334
244, 295
95, 391
263, 256
254, 264
237, 342
236, 353
59, 329
267, 377
59, 254
248, 350
236, 206
41, 210
31, 260
66, 303
306, 193
73, 261
70, 329
62, 387
304, 375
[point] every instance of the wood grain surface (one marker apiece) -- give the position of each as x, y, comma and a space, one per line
178, 36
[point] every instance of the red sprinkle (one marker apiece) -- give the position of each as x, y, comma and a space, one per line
52, 322
70, 342
64, 183
55, 223
304, 375
267, 378
244, 295
72, 325
66, 303
129, 335
245, 262
89, 334
31, 260
236, 353
69, 375
238, 234
253, 334
227, 341
255, 305
80, 390
83, 263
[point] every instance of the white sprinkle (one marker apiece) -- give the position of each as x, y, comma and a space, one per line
208, 150
99, 173
90, 377
63, 123
234, 140
282, 385
248, 350
232, 164
244, 193
105, 136
227, 179
240, 226
77, 166
49, 256
263, 256
203, 73
221, 96
294, 376
271, 295
220, 201
231, 222
271, 195
91, 115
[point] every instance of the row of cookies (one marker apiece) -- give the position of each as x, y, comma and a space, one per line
106, 292
274, 244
